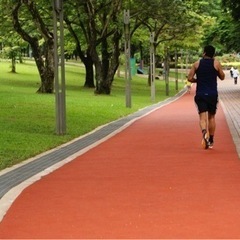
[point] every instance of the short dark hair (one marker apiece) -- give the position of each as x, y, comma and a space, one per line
209, 51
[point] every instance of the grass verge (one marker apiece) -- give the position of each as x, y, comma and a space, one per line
27, 119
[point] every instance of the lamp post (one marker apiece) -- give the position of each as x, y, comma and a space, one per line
166, 70
152, 66
127, 57
182, 55
176, 69
59, 67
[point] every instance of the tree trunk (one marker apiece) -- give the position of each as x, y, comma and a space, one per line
106, 71
13, 63
89, 79
45, 67
88, 63
103, 79
85, 58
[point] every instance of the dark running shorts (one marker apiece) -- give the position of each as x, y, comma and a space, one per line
206, 103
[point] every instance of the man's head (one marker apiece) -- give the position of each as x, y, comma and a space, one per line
209, 51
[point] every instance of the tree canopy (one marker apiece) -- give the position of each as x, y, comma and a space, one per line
94, 31
233, 6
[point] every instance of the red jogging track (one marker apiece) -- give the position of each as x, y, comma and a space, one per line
152, 180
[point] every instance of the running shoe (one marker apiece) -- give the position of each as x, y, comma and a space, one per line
205, 143
210, 144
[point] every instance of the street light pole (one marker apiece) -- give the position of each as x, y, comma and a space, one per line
176, 69
166, 70
127, 57
152, 66
59, 67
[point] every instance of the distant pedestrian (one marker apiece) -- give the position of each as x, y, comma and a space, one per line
231, 72
207, 70
235, 75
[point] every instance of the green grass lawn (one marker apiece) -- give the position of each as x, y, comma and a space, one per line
27, 119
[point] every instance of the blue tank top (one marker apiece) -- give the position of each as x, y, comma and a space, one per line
206, 78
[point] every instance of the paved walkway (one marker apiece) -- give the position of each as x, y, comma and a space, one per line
142, 183
230, 99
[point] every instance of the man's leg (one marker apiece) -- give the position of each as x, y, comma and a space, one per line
211, 127
211, 124
203, 122
203, 118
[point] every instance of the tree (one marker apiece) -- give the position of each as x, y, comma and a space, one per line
169, 20
223, 30
75, 23
43, 55
224, 34
12, 53
10, 42
233, 6
103, 35
230, 25
94, 26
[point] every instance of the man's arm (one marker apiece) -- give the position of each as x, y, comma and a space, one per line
192, 72
218, 67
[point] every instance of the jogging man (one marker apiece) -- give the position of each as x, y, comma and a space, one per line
207, 70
